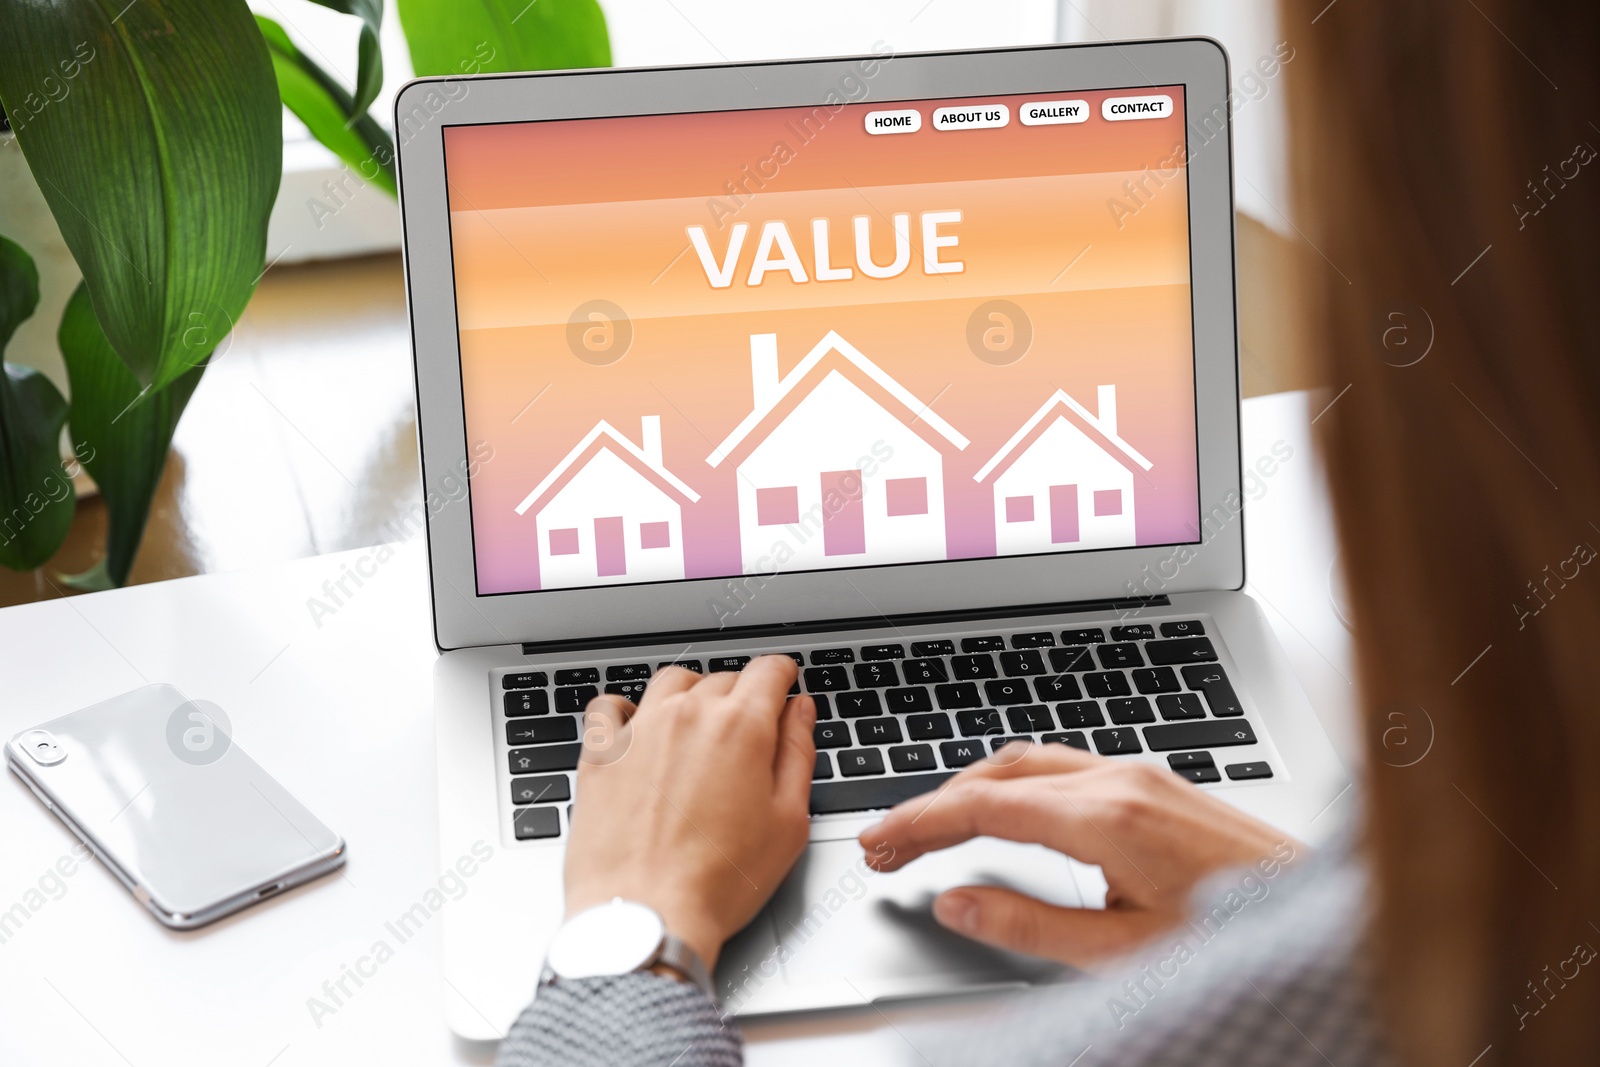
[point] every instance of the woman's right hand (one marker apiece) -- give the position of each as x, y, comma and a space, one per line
1153, 834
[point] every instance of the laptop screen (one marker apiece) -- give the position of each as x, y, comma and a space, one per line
741, 343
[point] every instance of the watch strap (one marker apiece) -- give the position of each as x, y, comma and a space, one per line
686, 961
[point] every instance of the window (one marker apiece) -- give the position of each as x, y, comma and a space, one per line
775, 507
907, 496
564, 542
1108, 501
1019, 509
655, 535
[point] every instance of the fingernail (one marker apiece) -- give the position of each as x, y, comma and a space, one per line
956, 911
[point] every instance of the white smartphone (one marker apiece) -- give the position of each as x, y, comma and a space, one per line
155, 785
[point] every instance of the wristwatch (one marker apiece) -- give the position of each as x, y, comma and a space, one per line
619, 937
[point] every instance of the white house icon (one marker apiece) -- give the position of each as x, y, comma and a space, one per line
800, 455
1064, 479
616, 517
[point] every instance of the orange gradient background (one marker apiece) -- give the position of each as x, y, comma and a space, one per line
548, 216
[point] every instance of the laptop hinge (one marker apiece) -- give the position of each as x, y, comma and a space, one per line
734, 633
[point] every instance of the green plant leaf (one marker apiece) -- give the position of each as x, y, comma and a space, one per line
36, 495
121, 431
484, 36
369, 56
324, 106
154, 132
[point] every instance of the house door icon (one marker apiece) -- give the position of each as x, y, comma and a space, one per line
610, 553
844, 525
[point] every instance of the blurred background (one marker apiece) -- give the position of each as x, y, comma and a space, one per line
300, 438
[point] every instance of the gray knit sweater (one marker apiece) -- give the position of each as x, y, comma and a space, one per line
1277, 977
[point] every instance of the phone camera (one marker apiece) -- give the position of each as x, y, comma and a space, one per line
42, 746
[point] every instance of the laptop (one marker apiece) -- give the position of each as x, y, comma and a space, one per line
919, 369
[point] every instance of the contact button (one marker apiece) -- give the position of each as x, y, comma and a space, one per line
1123, 108
972, 117
906, 121
1053, 112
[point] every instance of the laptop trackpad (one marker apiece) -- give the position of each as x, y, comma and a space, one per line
844, 934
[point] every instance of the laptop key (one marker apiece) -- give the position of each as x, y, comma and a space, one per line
1000, 742
1091, 636
983, 644
1029, 719
978, 723
929, 727
1180, 650
1201, 775
957, 695
525, 680
1112, 656
881, 731
1077, 658
576, 697
1182, 628
824, 710
578, 676
686, 664
978, 666
1207, 733
1153, 680
831, 734
1180, 760
933, 648
547, 789
857, 705
1109, 684
531, 824
1210, 680
1057, 687
1074, 738
823, 768
1118, 741
826, 679
914, 698
1003, 691
875, 675
627, 672
1243, 772
871, 794
925, 671
725, 664
872, 652
1042, 639
549, 758
860, 761
1016, 664
1180, 706
541, 731
1140, 632
909, 759
1126, 711
833, 655
1080, 713
960, 753
527, 702
633, 691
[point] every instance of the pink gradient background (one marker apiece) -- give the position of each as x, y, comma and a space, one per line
529, 249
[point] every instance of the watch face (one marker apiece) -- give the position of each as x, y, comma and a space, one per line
614, 938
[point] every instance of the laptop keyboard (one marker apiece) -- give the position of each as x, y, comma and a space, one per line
897, 719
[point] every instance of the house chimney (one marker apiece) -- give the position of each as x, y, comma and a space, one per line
1108, 409
650, 444
764, 369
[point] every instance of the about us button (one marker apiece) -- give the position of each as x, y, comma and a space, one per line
972, 117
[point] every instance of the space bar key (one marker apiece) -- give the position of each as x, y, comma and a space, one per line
872, 793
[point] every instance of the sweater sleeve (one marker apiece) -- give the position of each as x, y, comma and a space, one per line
630, 1020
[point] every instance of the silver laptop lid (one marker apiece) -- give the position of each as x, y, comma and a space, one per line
711, 347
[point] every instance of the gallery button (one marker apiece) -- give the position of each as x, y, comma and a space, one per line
972, 117
1123, 108
1053, 112
907, 121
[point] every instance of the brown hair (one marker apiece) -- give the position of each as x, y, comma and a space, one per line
1448, 190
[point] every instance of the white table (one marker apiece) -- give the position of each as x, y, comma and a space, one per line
339, 710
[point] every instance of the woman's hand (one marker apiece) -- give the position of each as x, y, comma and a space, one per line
697, 801
1153, 834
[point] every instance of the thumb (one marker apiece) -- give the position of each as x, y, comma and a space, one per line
1078, 937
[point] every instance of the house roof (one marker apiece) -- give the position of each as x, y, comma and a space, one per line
1059, 398
625, 448
834, 343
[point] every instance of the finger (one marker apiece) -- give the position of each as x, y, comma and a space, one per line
1020, 759
619, 707
1078, 937
766, 681
716, 684
668, 682
797, 753
604, 728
